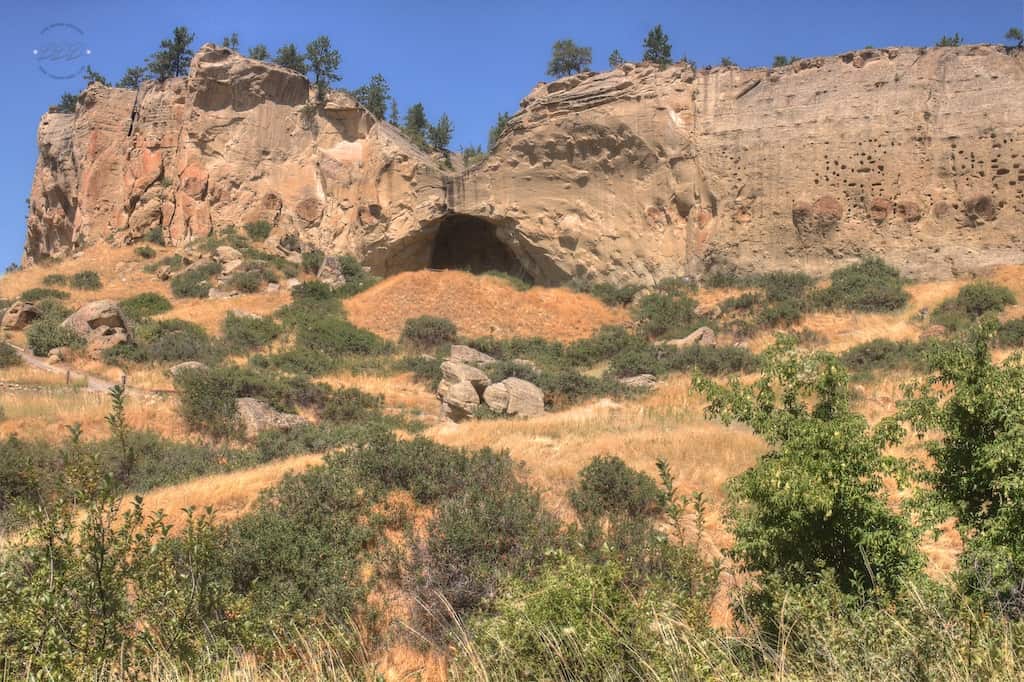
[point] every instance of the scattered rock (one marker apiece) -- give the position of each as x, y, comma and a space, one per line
459, 400
220, 292
273, 287
257, 417
231, 266
516, 397
58, 354
469, 355
163, 273
330, 272
292, 282
93, 315
19, 315
645, 381
226, 254
705, 336
456, 372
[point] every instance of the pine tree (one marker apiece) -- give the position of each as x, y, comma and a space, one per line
289, 57
94, 77
496, 130
374, 95
174, 55
416, 124
567, 57
230, 41
259, 51
132, 78
393, 120
657, 49
1016, 34
440, 134
615, 59
950, 41
67, 103
323, 62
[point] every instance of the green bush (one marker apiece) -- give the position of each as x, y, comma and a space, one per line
667, 315
336, 336
312, 260
245, 281
610, 294
744, 301
55, 280
605, 344
145, 252
207, 400
86, 279
608, 487
171, 341
424, 370
8, 356
883, 354
518, 283
301, 361
39, 293
428, 331
869, 286
1011, 333
46, 333
155, 236
258, 230
195, 282
145, 305
314, 290
784, 313
972, 302
781, 286
350, 404
245, 333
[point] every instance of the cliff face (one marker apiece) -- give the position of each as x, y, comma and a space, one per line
633, 175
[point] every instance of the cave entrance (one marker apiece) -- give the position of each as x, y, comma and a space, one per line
465, 242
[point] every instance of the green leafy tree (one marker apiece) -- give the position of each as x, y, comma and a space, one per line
950, 41
174, 55
94, 77
67, 103
816, 501
230, 41
567, 57
657, 49
289, 57
978, 476
440, 134
259, 51
416, 124
615, 59
496, 130
1016, 34
132, 78
374, 95
727, 62
323, 62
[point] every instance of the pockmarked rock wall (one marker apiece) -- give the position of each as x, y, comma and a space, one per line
628, 175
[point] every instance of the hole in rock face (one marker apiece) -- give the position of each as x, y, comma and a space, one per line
465, 242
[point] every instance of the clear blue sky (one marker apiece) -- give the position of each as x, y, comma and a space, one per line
469, 59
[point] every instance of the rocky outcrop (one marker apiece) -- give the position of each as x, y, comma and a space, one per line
256, 417
102, 324
515, 397
19, 316
628, 175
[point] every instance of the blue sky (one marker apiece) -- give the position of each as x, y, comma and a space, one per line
469, 59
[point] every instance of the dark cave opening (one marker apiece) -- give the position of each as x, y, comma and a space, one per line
465, 242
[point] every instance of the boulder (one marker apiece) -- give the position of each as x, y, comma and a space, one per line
101, 338
163, 273
231, 266
705, 336
292, 282
93, 315
19, 315
220, 292
457, 372
516, 397
470, 356
184, 366
58, 354
330, 272
710, 310
257, 417
226, 254
643, 381
459, 400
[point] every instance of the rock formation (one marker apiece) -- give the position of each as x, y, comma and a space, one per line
628, 175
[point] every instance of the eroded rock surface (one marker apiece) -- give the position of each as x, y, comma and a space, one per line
629, 175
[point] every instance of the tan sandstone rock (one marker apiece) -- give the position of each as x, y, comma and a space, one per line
516, 397
105, 313
705, 336
19, 316
469, 356
257, 416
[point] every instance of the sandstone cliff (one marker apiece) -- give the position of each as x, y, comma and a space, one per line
634, 174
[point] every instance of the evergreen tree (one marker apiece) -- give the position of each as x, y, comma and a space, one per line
393, 120
950, 41
93, 77
374, 95
289, 57
174, 55
67, 103
416, 124
259, 51
1016, 34
615, 59
781, 60
230, 41
496, 130
657, 49
440, 134
132, 78
727, 62
567, 57
323, 62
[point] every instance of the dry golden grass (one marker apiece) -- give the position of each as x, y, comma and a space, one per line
39, 414
231, 494
210, 313
400, 391
479, 306
27, 375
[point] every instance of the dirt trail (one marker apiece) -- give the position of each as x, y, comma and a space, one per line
91, 381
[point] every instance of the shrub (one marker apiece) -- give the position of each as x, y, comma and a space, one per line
169, 341
566, 387
145, 252
608, 487
245, 281
610, 294
244, 332
1011, 333
607, 342
429, 332
884, 354
781, 313
350, 404
302, 361
86, 279
312, 260
55, 280
971, 302
870, 286
744, 301
155, 235
207, 400
663, 315
713, 360
145, 305
46, 333
195, 282
317, 291
337, 336
8, 356
39, 293
781, 286
518, 283
424, 370
258, 230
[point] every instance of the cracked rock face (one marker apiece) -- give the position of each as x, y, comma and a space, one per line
629, 175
